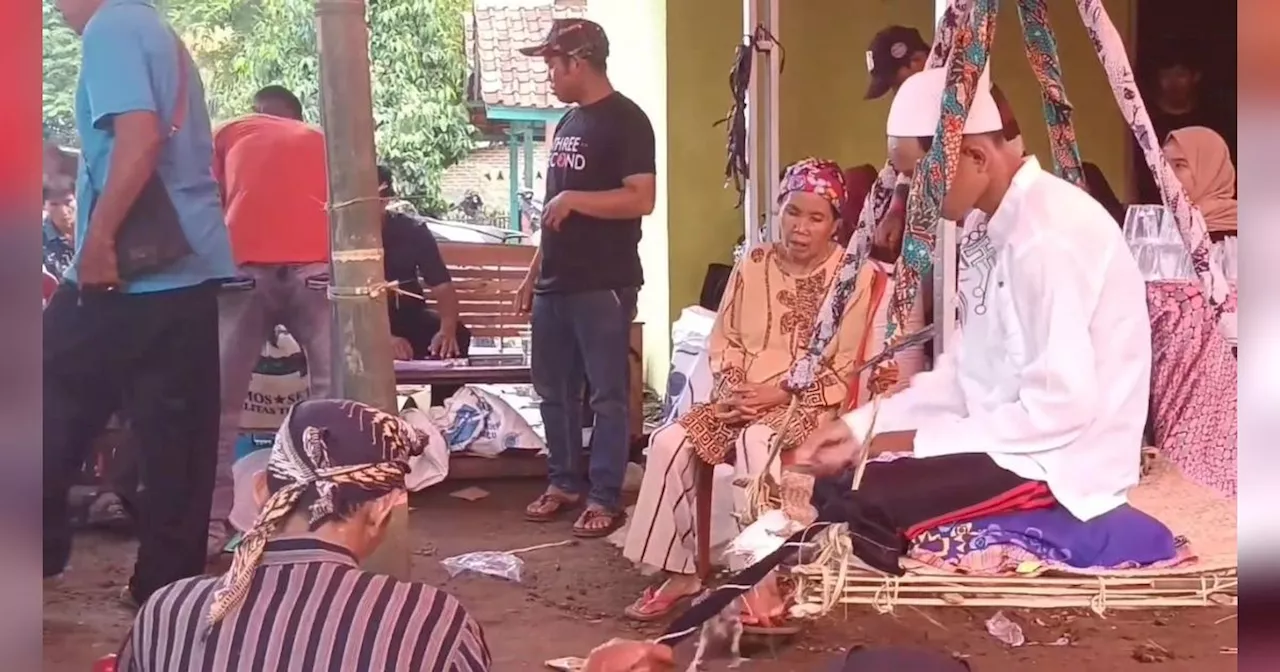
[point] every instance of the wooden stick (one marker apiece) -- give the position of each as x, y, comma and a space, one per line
539, 547
866, 443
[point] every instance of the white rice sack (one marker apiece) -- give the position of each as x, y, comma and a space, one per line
462, 420
689, 381
504, 428
432, 466
279, 381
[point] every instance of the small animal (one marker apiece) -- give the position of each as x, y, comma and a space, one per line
721, 634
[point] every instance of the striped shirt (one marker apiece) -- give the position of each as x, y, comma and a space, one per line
310, 608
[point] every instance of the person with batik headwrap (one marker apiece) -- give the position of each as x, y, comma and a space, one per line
764, 323
295, 596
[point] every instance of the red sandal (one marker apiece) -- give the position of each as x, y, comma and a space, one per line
654, 605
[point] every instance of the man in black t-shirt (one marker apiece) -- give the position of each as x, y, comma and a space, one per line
582, 285
412, 257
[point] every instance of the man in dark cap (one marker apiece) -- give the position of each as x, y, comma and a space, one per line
895, 53
582, 285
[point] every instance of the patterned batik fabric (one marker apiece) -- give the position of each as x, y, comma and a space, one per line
874, 209
764, 322
815, 176
344, 453
1042, 52
971, 45
1193, 385
1191, 225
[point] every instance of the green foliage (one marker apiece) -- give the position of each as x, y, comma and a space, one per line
61, 70
418, 72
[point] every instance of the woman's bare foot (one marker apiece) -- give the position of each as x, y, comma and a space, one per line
764, 605
658, 602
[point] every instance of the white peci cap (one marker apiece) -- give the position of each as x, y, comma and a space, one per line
917, 106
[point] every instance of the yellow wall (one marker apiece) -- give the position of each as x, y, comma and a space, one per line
637, 67
701, 37
823, 113
1101, 132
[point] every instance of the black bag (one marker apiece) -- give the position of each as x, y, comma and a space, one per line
151, 238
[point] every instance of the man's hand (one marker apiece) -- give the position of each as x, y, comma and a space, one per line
620, 655
557, 209
891, 442
445, 343
523, 300
401, 349
97, 267
829, 449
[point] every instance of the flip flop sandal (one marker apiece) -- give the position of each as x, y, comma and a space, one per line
584, 530
550, 507
653, 606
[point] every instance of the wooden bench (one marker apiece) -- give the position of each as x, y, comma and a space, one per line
486, 277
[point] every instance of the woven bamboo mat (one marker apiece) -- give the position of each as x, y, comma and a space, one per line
1204, 517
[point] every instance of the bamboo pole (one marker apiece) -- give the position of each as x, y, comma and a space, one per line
362, 366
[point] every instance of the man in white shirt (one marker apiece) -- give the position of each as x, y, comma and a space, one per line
1044, 396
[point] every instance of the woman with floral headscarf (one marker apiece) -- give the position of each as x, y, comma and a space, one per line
764, 323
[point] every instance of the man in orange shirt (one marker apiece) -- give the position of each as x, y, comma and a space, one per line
270, 167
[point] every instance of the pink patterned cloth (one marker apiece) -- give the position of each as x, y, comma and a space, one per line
1193, 384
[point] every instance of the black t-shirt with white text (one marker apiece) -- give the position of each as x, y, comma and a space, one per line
595, 147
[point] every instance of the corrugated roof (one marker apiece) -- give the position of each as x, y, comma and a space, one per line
502, 75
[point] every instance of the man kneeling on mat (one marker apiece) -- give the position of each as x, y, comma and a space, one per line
1044, 394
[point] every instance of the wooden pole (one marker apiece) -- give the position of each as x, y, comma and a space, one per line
362, 368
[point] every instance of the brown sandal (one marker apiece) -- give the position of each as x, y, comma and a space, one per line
584, 528
548, 507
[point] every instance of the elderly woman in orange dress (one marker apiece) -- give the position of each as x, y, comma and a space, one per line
764, 323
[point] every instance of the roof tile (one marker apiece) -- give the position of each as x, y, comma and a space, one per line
506, 77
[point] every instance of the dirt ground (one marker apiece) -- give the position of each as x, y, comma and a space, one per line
570, 599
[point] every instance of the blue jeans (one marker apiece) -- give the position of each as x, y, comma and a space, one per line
576, 334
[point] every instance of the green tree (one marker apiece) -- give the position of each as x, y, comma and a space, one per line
61, 69
418, 72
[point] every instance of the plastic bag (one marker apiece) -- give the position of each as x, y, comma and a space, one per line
1005, 630
494, 563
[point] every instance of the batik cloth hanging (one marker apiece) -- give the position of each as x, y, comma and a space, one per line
1195, 235
1042, 53
874, 209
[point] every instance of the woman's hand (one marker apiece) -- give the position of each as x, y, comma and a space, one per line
620, 655
755, 399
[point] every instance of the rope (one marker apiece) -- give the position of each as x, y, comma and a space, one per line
737, 170
761, 490
370, 291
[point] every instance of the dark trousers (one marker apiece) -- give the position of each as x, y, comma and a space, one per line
575, 334
154, 358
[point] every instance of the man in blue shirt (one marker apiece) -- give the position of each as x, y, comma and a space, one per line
148, 346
